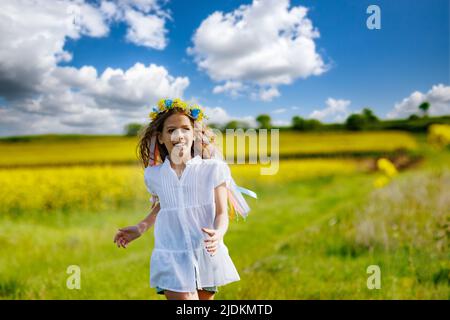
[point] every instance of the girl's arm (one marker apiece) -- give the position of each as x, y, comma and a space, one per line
128, 234
149, 220
220, 221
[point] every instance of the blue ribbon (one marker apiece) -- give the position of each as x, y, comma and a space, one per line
247, 192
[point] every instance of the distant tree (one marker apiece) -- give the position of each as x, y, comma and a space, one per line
132, 129
424, 106
413, 117
355, 121
360, 121
235, 124
264, 121
312, 124
369, 115
298, 123
214, 126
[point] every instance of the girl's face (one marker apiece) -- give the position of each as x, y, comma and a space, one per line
177, 135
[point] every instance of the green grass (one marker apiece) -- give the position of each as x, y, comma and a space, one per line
302, 240
310, 251
296, 244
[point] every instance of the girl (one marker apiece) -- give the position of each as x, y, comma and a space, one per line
190, 187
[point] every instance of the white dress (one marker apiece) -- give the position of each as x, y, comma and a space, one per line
180, 261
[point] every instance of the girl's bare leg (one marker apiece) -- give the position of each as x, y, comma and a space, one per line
205, 295
172, 295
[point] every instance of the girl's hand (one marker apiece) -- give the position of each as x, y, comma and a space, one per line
212, 242
126, 235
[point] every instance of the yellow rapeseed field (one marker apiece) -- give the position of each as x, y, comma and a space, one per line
122, 150
439, 135
291, 170
98, 173
91, 150
89, 187
335, 142
109, 187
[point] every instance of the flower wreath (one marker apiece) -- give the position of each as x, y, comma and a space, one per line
166, 104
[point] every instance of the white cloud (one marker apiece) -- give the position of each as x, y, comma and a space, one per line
145, 20
234, 88
109, 10
142, 5
265, 94
220, 116
336, 110
438, 97
146, 30
281, 123
266, 44
53, 98
34, 46
8, 118
280, 110
88, 117
88, 19
15, 122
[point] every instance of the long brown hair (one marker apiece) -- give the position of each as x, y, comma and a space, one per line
206, 136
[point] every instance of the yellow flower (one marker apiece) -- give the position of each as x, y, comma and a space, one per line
381, 181
161, 104
387, 167
177, 103
388, 171
153, 115
439, 135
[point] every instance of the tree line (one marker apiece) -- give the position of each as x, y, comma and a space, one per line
365, 120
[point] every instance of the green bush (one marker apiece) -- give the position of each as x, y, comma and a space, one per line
132, 129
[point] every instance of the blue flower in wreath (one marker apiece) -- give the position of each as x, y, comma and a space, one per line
168, 103
155, 109
195, 113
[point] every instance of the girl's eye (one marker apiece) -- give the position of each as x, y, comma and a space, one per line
184, 129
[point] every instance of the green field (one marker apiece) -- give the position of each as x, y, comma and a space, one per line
311, 234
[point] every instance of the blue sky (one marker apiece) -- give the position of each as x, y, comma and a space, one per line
375, 68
